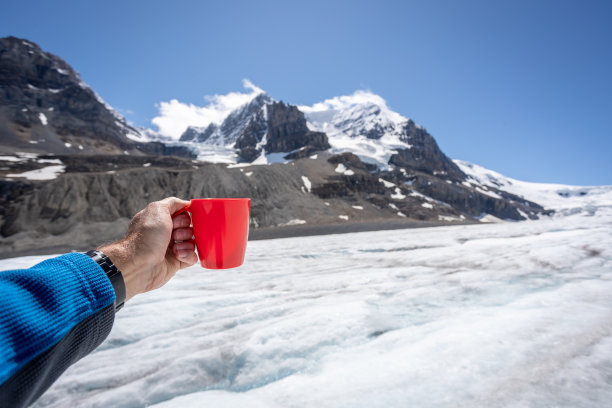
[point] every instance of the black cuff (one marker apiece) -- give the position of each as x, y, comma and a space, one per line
113, 274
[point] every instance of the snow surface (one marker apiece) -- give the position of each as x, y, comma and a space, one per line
212, 153
270, 158
341, 168
398, 194
12, 158
46, 173
307, 183
450, 218
295, 221
43, 118
387, 184
137, 137
495, 315
512, 315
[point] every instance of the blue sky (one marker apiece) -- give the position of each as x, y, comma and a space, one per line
521, 87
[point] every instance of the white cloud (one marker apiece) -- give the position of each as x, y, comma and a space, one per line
174, 116
360, 97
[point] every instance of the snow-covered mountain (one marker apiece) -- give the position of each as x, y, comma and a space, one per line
362, 124
261, 131
563, 199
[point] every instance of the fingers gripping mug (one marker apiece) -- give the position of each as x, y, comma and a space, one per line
221, 229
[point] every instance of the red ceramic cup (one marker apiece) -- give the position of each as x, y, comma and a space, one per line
221, 229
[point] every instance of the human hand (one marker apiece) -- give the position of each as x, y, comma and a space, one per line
154, 248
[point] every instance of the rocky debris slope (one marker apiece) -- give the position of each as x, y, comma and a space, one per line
45, 107
420, 195
84, 208
91, 201
424, 155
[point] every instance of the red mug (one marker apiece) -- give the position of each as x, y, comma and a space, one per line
221, 229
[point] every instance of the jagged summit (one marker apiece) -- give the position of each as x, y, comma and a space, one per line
260, 128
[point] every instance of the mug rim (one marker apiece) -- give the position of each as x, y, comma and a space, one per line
219, 199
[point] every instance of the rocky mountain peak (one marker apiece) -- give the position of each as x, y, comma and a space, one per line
45, 107
260, 127
289, 133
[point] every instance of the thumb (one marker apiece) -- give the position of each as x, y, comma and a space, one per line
174, 204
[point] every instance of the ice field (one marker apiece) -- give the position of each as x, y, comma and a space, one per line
499, 315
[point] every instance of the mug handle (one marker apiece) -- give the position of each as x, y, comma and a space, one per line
182, 210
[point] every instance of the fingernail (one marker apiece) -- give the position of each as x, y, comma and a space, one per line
182, 253
181, 245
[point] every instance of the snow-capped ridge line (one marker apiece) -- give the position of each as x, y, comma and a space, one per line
564, 199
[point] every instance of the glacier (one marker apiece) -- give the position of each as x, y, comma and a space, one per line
489, 315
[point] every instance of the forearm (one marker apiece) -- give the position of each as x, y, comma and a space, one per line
51, 315
54, 313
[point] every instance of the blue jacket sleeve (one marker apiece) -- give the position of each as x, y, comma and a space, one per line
51, 315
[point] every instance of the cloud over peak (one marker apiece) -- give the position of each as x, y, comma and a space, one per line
174, 116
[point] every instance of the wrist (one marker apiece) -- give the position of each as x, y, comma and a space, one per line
122, 256
113, 274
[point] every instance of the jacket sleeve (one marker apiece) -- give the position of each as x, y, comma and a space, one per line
51, 315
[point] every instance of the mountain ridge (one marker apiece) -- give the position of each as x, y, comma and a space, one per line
346, 160
45, 107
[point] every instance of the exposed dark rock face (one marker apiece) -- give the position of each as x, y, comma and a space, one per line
424, 155
241, 123
474, 203
197, 134
287, 130
250, 137
45, 107
162, 149
352, 161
